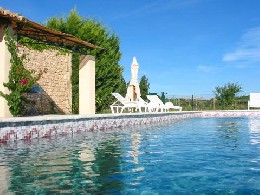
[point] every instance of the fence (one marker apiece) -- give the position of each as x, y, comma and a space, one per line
206, 102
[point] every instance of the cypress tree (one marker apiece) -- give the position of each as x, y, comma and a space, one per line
144, 86
109, 77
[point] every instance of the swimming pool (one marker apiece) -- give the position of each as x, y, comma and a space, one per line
196, 155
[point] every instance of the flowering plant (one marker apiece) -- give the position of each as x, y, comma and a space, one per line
24, 82
20, 81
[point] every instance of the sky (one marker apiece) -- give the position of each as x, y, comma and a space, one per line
183, 47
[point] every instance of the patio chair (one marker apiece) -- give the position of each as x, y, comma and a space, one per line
121, 104
254, 100
169, 106
143, 104
156, 104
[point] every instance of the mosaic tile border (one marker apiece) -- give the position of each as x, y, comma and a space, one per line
27, 128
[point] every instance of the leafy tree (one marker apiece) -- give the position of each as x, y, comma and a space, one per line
226, 95
109, 77
144, 86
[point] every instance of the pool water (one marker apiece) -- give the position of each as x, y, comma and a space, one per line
191, 156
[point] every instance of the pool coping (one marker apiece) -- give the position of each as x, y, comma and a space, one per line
27, 128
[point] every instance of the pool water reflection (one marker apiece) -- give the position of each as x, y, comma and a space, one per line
202, 155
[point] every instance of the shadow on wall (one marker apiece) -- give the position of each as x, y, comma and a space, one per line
40, 103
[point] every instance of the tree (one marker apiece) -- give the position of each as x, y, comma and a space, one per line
226, 95
144, 86
109, 74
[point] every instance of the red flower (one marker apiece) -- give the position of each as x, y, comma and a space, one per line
24, 81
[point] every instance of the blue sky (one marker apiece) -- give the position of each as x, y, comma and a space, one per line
184, 47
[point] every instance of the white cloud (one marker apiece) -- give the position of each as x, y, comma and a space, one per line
248, 49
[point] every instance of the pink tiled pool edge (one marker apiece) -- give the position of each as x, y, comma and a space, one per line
27, 128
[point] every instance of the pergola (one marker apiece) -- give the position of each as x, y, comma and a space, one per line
25, 27
28, 28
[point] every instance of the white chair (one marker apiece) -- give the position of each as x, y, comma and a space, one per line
169, 105
254, 100
155, 104
143, 104
121, 103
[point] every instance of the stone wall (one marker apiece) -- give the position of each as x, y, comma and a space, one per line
56, 94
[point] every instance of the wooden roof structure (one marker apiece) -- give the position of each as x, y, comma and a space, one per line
28, 28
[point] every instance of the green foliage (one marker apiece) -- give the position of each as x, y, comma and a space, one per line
144, 86
240, 103
75, 83
40, 46
109, 76
20, 79
122, 89
226, 95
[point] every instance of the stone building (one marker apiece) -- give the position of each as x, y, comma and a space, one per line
54, 91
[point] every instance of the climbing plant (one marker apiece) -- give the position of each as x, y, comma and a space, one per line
40, 46
75, 83
20, 81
